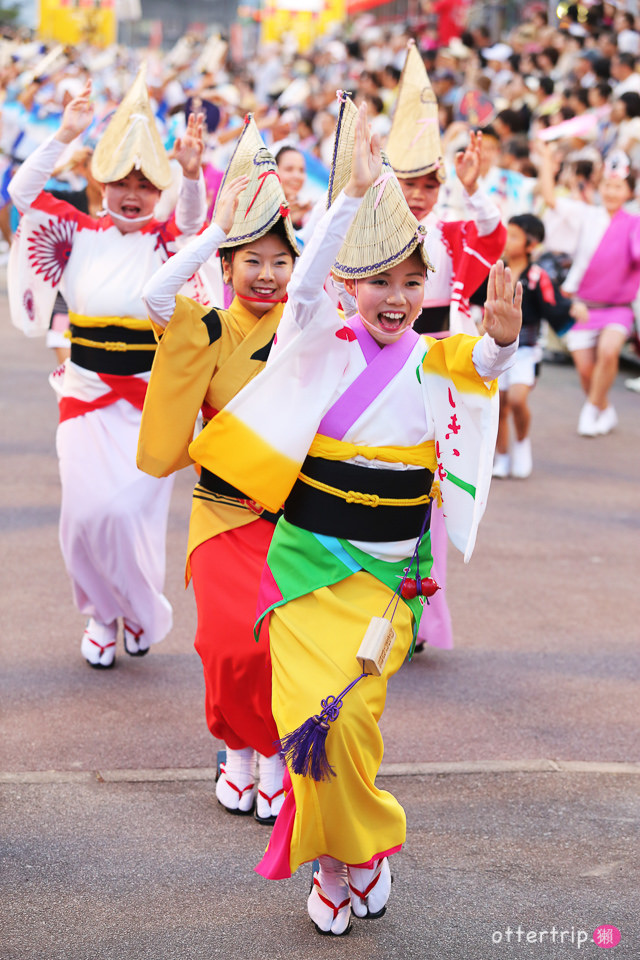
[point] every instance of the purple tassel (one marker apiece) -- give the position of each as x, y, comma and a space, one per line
304, 750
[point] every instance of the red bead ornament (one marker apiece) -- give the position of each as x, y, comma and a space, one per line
429, 587
409, 589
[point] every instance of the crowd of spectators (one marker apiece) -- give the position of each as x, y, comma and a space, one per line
560, 95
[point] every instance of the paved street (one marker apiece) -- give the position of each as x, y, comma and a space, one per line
515, 755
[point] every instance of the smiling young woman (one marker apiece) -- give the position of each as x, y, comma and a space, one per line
204, 357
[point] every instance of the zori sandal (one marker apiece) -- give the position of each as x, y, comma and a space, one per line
370, 889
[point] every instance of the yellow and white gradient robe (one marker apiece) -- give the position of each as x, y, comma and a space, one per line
445, 392
203, 359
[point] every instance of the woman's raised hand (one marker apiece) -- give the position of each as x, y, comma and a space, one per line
189, 148
228, 202
366, 164
77, 116
503, 308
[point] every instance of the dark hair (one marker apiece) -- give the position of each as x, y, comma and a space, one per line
551, 54
517, 147
584, 168
603, 88
515, 120
286, 149
278, 229
488, 131
375, 101
547, 85
631, 102
602, 68
532, 226
392, 71
581, 94
626, 60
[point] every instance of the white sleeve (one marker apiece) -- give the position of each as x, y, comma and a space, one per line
490, 359
191, 207
306, 293
159, 292
31, 178
486, 214
306, 231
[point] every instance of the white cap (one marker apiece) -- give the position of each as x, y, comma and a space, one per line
499, 51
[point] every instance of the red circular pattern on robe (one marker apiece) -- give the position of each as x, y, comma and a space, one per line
345, 333
50, 248
29, 304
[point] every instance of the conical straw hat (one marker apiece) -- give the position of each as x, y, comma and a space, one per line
132, 142
413, 145
262, 202
384, 232
343, 141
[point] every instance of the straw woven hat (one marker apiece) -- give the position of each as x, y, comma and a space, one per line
384, 232
262, 202
413, 145
132, 142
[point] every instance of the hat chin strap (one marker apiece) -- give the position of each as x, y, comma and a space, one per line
262, 299
119, 216
380, 335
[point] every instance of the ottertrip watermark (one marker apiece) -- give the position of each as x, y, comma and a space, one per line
605, 936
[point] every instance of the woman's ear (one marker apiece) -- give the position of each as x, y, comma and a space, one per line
226, 270
350, 286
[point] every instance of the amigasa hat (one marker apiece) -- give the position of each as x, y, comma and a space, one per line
413, 145
384, 232
262, 202
132, 142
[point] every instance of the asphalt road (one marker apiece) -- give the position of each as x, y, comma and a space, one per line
515, 755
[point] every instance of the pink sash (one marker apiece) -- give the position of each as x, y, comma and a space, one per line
383, 363
613, 273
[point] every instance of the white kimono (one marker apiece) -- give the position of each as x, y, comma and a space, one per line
113, 517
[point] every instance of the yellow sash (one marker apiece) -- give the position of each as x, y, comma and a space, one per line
119, 346
422, 455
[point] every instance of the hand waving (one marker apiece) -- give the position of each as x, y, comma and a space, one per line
77, 116
188, 149
467, 163
503, 309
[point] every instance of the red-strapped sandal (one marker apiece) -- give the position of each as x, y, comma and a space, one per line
98, 645
247, 792
132, 640
370, 889
269, 818
328, 918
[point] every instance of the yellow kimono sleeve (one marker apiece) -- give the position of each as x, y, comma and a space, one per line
185, 361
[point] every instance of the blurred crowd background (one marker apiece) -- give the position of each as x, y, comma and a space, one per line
555, 89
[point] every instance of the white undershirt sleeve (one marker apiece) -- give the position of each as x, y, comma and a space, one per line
31, 177
490, 359
159, 293
191, 206
486, 214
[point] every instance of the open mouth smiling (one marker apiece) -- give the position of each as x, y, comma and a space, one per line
391, 320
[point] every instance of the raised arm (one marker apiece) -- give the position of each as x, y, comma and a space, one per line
191, 208
306, 288
546, 173
30, 180
486, 214
159, 293
501, 322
